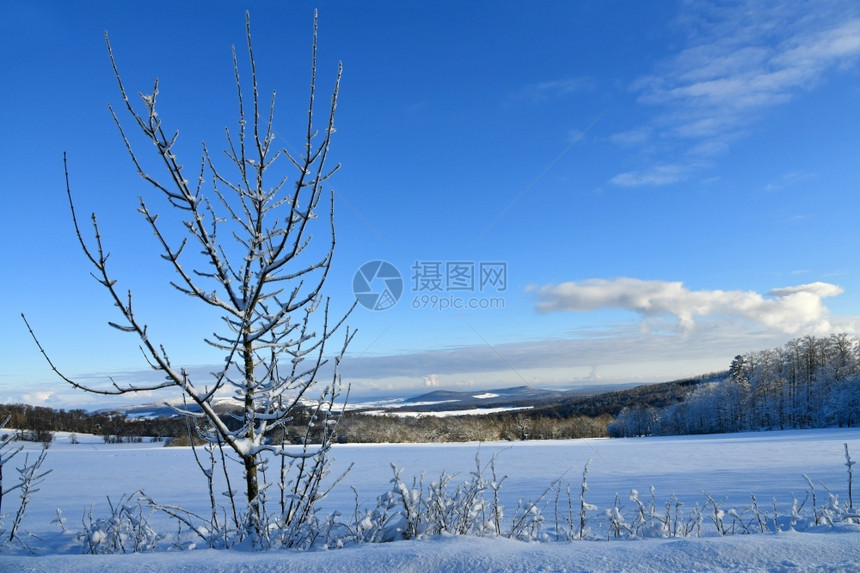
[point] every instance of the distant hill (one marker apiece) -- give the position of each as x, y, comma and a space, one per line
164, 409
458, 400
657, 395
585, 400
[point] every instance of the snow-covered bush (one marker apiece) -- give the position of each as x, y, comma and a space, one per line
29, 476
125, 529
446, 505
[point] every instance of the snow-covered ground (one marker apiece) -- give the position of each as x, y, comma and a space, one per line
727, 467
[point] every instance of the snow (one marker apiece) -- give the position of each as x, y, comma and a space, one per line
838, 551
485, 396
727, 467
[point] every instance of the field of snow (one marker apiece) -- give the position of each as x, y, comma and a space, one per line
727, 467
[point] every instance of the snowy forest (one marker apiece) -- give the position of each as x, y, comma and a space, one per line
810, 382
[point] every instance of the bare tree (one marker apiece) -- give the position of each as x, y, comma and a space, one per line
257, 268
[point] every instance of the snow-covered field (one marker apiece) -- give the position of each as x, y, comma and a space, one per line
727, 467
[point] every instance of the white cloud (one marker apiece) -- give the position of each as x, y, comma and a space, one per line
747, 59
737, 61
39, 397
552, 89
787, 180
631, 137
653, 176
789, 309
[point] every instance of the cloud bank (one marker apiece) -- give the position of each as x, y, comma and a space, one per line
789, 309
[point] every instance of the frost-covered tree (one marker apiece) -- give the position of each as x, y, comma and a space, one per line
247, 254
809, 382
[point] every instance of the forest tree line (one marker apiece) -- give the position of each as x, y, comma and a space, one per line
38, 423
810, 382
41, 422
519, 425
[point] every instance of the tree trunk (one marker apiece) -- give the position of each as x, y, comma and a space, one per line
252, 487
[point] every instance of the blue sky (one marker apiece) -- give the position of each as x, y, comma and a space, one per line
667, 184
